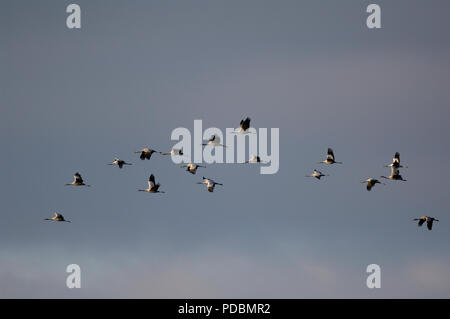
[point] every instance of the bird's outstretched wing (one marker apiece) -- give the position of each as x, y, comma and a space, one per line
396, 158
77, 178
151, 181
330, 154
245, 124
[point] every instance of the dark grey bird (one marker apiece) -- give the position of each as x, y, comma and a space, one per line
427, 219
146, 153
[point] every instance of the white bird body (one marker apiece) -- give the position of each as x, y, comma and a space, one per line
371, 183
192, 168
395, 175
174, 151
119, 163
214, 141
210, 184
255, 159
317, 174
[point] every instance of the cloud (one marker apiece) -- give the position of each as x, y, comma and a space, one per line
209, 275
430, 275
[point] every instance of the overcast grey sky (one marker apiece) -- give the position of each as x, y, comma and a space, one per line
71, 100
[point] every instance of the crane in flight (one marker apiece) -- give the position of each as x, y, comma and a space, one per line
330, 158
174, 151
152, 186
371, 183
214, 141
146, 153
192, 168
119, 163
77, 181
58, 218
210, 184
395, 175
395, 162
427, 219
244, 125
254, 159
317, 174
